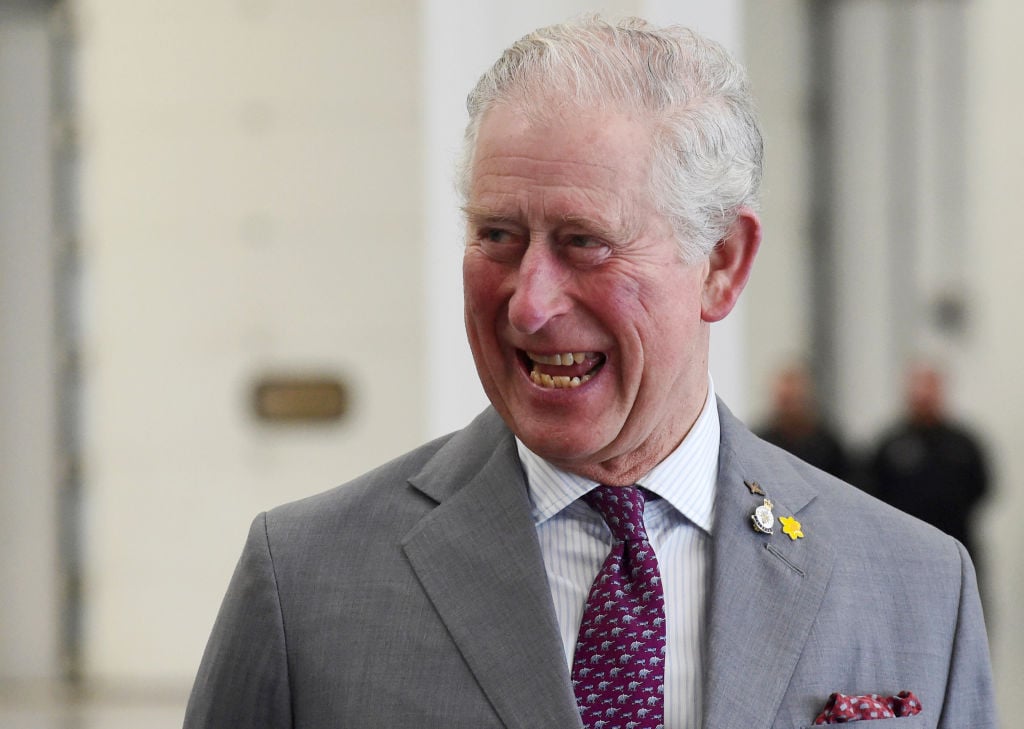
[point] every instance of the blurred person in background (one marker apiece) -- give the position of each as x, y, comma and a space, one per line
928, 464
796, 424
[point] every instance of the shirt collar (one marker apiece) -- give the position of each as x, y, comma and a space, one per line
686, 478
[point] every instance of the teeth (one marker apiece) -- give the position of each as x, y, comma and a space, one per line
558, 382
567, 358
548, 359
563, 359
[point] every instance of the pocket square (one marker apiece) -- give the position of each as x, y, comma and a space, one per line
841, 708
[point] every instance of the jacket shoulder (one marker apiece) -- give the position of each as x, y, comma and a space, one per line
857, 523
866, 528
385, 498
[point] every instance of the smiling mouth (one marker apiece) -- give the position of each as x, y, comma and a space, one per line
562, 370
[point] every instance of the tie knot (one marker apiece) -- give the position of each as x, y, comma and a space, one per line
623, 510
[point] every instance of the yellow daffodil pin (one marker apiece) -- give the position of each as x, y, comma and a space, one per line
791, 527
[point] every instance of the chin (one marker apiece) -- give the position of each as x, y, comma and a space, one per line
566, 453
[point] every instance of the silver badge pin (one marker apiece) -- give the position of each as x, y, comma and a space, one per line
763, 518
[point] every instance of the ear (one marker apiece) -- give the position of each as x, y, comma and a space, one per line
729, 266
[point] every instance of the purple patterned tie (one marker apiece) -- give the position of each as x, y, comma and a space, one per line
618, 670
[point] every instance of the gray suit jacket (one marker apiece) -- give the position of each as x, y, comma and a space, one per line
415, 596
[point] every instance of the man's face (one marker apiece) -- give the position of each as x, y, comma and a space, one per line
793, 393
584, 323
924, 394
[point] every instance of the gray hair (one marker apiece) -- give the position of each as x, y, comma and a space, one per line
707, 148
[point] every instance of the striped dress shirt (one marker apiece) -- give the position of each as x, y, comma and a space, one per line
575, 541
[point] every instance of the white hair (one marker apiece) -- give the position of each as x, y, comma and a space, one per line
706, 149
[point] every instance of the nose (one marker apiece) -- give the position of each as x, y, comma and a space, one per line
540, 289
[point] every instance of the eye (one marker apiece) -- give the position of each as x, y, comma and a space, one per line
583, 241
584, 249
501, 244
495, 235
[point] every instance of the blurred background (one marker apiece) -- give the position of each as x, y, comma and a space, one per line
230, 277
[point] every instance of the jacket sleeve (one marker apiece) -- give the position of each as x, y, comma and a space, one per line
969, 700
243, 678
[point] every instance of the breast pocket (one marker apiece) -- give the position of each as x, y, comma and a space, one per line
918, 721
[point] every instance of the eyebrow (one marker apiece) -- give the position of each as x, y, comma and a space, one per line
479, 214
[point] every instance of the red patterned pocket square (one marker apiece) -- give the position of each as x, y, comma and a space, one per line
841, 708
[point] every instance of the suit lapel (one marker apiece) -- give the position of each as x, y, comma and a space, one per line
765, 589
479, 561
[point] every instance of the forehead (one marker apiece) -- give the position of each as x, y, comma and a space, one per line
572, 154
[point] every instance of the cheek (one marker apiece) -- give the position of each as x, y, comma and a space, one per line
669, 327
482, 282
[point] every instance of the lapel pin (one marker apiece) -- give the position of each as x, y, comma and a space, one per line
755, 487
763, 518
791, 527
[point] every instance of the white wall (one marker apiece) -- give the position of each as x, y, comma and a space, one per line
992, 385
867, 363
777, 327
250, 205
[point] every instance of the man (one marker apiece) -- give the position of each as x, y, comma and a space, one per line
795, 425
929, 466
610, 179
